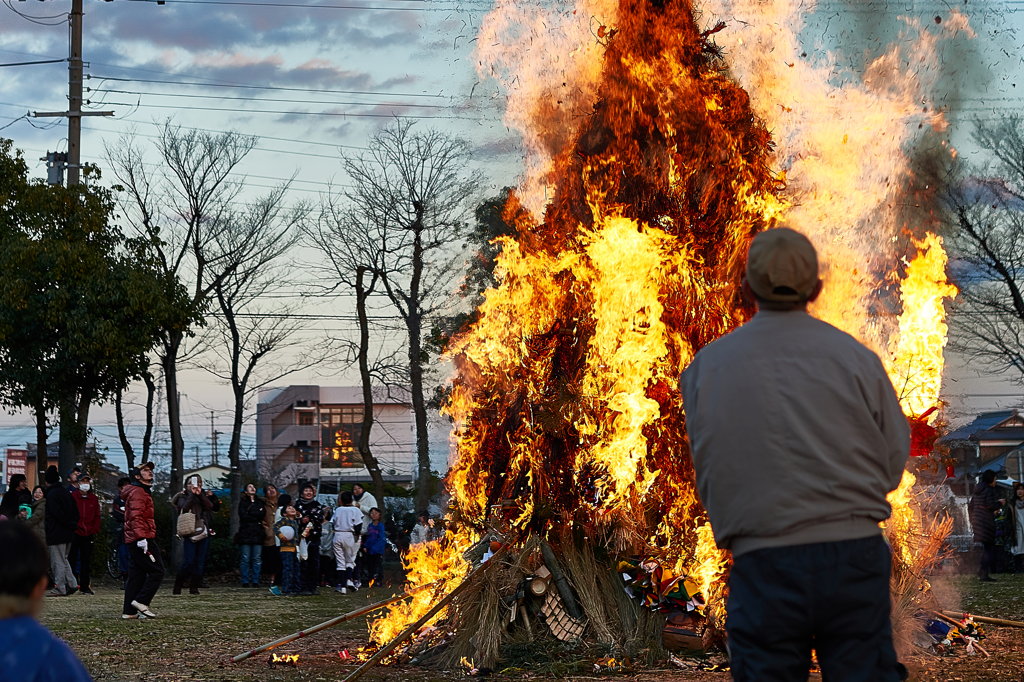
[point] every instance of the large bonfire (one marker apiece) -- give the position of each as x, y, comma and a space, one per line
651, 163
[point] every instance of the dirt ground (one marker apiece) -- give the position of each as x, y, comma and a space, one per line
194, 635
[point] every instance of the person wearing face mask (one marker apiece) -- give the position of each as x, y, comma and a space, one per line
88, 525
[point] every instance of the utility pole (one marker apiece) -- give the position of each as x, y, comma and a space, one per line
74, 113
198, 462
214, 460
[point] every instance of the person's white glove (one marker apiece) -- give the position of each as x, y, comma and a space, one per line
143, 545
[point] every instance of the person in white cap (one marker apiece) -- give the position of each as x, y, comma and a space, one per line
797, 436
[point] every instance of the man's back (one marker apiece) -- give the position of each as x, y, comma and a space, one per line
795, 433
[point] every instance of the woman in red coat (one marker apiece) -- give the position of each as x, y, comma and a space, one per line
88, 526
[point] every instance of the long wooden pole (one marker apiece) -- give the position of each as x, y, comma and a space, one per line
991, 621
405, 634
330, 623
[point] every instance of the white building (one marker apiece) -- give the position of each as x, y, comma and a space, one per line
311, 433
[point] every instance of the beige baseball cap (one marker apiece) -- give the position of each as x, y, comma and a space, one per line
782, 265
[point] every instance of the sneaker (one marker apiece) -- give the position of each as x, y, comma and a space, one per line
276, 591
359, 584
987, 579
55, 593
350, 585
144, 609
129, 616
244, 585
87, 590
341, 589
72, 590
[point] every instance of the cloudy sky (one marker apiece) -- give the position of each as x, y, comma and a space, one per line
315, 78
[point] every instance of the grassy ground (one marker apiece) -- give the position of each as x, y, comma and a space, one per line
194, 635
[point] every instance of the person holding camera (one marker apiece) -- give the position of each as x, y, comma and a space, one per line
195, 501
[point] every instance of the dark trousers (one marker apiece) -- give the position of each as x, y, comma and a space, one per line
988, 559
81, 553
193, 556
288, 570
144, 576
309, 570
122, 559
832, 597
374, 567
272, 562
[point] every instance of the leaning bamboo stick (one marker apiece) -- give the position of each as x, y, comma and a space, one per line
958, 624
330, 623
990, 621
405, 634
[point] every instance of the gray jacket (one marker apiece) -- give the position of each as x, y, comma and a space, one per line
796, 434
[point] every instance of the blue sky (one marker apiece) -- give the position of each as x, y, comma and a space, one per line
315, 78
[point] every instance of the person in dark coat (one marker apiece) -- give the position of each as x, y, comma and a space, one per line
61, 524
311, 520
984, 506
117, 515
252, 513
17, 494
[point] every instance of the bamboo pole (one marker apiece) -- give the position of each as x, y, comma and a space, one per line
406, 633
330, 623
991, 621
957, 623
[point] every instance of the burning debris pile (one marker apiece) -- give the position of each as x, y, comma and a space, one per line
572, 466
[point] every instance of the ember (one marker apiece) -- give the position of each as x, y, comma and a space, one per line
649, 171
284, 659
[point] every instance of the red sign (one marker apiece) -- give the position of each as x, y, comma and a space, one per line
17, 461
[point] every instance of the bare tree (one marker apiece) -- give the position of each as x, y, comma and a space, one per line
987, 243
411, 196
183, 209
122, 434
353, 258
254, 333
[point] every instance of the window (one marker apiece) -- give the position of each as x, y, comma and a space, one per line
306, 418
305, 452
339, 433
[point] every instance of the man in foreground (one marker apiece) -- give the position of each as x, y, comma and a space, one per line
797, 436
30, 652
145, 566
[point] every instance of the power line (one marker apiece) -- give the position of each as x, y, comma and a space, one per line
45, 61
343, 114
265, 99
287, 4
228, 84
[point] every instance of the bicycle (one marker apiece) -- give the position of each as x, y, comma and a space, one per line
113, 545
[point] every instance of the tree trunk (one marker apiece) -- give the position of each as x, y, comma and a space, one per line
413, 320
364, 374
147, 439
169, 362
67, 418
41, 455
129, 452
235, 459
82, 427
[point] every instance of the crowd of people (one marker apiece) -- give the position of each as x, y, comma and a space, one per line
998, 524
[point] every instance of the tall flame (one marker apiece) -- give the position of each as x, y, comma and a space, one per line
648, 170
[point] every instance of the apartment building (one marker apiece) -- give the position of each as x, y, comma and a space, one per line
311, 433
